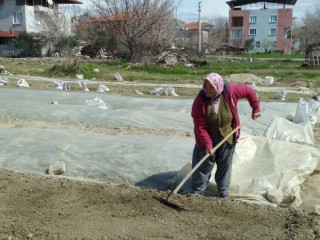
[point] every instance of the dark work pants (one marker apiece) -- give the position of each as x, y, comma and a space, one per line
223, 158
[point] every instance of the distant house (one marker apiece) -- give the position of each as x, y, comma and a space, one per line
21, 15
106, 22
109, 24
268, 22
190, 32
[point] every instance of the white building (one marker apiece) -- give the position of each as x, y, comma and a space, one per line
267, 22
25, 16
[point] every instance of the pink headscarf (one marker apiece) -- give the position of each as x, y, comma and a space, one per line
216, 81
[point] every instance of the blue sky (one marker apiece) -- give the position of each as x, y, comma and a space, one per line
188, 9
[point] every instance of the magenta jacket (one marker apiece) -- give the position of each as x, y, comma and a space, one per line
232, 93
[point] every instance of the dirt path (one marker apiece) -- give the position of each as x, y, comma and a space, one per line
48, 207
16, 123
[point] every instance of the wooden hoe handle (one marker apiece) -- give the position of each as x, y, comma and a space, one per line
175, 191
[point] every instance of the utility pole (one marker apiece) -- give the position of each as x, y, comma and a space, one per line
291, 35
291, 39
199, 21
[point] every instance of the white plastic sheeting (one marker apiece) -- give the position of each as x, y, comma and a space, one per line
62, 85
88, 155
260, 162
102, 88
307, 111
264, 163
283, 129
22, 83
96, 102
72, 109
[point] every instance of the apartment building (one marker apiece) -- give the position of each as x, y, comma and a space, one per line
24, 16
269, 23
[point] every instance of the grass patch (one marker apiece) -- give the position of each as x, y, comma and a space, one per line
150, 72
100, 70
290, 97
62, 71
272, 55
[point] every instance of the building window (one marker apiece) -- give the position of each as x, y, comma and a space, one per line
30, 2
252, 31
257, 44
236, 33
17, 18
287, 32
273, 32
253, 19
20, 2
274, 19
237, 22
3, 41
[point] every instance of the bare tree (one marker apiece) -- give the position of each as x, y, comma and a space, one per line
218, 34
249, 44
310, 32
85, 29
267, 44
52, 27
237, 43
143, 27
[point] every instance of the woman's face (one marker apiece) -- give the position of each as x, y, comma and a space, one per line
209, 90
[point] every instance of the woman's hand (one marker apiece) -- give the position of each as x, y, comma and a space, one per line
256, 115
210, 151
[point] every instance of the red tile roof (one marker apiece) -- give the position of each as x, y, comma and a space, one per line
8, 34
195, 25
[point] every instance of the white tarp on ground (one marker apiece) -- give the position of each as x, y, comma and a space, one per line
262, 163
283, 129
277, 165
150, 161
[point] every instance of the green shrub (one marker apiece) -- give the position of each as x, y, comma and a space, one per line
64, 70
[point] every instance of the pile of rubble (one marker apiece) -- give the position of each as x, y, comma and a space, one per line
171, 59
243, 78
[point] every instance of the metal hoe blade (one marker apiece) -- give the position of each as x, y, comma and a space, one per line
168, 203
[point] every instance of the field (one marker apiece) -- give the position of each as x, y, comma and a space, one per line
290, 74
37, 206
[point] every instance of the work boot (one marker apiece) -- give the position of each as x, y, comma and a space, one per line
223, 195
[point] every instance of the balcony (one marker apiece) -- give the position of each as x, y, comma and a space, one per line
39, 8
236, 32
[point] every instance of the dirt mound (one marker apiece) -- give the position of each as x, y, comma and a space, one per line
243, 78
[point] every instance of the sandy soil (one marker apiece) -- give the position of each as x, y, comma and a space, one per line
50, 207
38, 206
